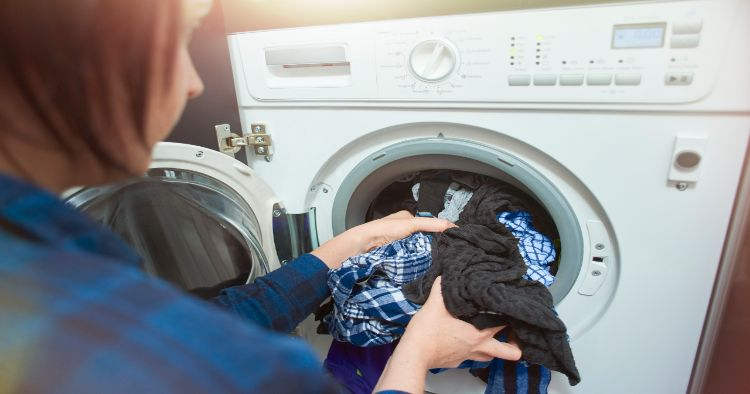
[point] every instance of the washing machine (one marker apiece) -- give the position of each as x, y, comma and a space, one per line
628, 122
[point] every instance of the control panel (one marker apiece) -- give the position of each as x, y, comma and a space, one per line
654, 52
626, 53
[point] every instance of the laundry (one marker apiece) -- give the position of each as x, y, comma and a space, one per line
364, 321
517, 377
482, 283
434, 186
456, 198
536, 249
358, 368
506, 377
368, 305
395, 197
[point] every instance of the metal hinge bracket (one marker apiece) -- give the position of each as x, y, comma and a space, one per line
231, 143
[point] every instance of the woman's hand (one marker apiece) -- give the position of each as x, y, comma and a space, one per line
360, 239
436, 339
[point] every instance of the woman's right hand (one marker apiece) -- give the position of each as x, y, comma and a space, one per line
436, 339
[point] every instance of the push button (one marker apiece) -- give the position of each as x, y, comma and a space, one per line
598, 79
545, 79
685, 41
571, 79
687, 26
519, 80
628, 79
678, 78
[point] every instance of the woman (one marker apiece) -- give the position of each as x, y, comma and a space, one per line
88, 88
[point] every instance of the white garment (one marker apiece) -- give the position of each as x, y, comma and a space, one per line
456, 198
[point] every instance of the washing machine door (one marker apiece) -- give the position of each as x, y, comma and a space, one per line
200, 219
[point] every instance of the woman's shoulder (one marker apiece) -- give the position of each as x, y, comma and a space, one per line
81, 311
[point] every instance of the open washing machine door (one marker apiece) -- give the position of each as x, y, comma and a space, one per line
200, 219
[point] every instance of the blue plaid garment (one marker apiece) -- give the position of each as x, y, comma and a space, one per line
77, 315
535, 248
369, 307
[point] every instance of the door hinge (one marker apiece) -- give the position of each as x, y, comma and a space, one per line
231, 143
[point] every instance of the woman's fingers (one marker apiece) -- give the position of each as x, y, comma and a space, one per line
493, 347
430, 225
400, 215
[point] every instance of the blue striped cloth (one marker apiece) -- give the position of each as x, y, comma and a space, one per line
369, 307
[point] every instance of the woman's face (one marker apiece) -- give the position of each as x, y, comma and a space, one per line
185, 85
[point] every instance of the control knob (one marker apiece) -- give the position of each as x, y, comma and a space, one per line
433, 60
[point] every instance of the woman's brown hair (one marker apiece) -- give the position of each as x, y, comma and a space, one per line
85, 71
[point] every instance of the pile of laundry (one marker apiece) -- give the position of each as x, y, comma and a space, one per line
496, 267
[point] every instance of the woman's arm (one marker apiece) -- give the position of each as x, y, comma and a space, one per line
283, 298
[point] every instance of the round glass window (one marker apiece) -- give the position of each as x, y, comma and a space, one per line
190, 229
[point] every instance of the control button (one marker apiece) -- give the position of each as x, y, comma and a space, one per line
690, 26
678, 78
687, 159
598, 79
519, 80
545, 79
685, 41
571, 79
628, 79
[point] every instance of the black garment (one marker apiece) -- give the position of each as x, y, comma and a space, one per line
494, 197
433, 185
432, 188
209, 292
481, 270
395, 197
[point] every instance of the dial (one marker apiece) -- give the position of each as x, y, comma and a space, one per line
433, 60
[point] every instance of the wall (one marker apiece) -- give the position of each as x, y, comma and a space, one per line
218, 104
244, 15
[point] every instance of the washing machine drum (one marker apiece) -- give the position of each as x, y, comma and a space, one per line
190, 230
405, 193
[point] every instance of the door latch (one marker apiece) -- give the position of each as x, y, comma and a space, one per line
231, 143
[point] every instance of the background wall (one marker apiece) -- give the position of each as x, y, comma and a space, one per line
243, 15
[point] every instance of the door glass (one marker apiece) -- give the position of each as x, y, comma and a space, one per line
190, 229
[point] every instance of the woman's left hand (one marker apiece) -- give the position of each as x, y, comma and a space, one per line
360, 239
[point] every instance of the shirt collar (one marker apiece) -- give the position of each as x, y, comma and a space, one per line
45, 219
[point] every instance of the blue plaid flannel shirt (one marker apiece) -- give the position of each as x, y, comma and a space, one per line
78, 315
369, 306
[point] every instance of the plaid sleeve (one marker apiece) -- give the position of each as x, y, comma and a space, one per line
283, 298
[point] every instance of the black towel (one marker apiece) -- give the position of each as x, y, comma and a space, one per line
482, 268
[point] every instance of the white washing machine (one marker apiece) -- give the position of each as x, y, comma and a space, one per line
628, 122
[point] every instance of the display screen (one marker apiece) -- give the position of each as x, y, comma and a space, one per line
638, 36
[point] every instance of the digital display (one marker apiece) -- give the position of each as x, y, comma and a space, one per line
638, 36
